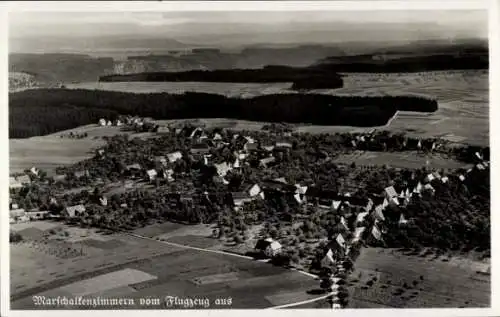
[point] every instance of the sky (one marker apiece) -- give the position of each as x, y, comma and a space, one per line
255, 26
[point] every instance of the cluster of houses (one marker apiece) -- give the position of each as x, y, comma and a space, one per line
365, 140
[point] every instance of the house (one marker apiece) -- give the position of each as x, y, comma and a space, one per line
160, 161
163, 129
196, 133
428, 187
268, 148
103, 201
429, 178
376, 233
378, 213
37, 215
133, 167
223, 169
402, 220
200, 148
283, 145
14, 183
236, 163
217, 137
174, 156
100, 152
80, 174
240, 198
24, 179
369, 205
344, 222
479, 156
152, 174
280, 180
16, 213
254, 190
102, 122
340, 242
353, 143
444, 180
75, 211
251, 147
361, 217
390, 192
358, 234
14, 206
118, 123
418, 188
298, 198
328, 260
300, 189
34, 171
461, 177
436, 175
109, 123
168, 175
480, 167
267, 162
268, 247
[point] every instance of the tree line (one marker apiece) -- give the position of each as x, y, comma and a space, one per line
44, 111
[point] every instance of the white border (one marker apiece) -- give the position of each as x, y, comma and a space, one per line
135, 6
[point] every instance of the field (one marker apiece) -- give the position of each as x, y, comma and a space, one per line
126, 266
51, 151
407, 159
444, 282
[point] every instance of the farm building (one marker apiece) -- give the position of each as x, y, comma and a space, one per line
174, 156
75, 211
102, 122
268, 247
445, 180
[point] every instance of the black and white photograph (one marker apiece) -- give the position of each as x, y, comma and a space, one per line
192, 158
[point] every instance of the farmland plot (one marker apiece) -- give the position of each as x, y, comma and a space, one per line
402, 281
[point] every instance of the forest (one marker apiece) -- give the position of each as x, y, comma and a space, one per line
45, 111
301, 77
407, 64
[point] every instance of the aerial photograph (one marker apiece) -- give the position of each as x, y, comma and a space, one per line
311, 159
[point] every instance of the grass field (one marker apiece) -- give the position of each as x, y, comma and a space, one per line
400, 160
158, 270
431, 282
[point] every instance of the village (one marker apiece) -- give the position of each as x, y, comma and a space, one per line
239, 180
